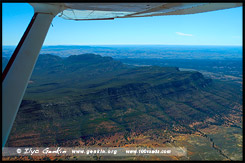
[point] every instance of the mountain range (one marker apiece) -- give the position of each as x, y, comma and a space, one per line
79, 99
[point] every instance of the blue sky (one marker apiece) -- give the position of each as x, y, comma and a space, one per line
223, 27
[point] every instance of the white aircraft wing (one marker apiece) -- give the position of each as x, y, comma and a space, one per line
102, 11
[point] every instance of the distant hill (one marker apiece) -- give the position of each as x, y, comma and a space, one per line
68, 98
142, 51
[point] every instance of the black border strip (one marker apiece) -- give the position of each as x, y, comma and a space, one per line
16, 51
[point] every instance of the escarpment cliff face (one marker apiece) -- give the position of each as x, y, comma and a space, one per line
90, 95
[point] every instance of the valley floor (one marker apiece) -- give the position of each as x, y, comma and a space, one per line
210, 143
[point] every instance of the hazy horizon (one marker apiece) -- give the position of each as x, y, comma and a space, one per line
130, 45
